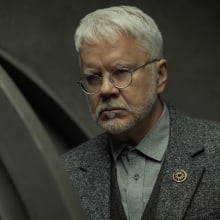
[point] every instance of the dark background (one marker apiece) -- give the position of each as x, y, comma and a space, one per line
37, 36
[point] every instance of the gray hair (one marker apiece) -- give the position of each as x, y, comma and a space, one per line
125, 20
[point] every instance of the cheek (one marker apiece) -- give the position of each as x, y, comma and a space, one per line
140, 87
140, 91
132, 97
92, 102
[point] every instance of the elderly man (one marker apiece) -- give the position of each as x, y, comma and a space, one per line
152, 162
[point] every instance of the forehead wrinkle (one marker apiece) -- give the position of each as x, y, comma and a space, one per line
121, 50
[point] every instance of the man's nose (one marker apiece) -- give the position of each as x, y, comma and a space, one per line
107, 87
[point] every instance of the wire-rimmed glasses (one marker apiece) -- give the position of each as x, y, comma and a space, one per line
121, 78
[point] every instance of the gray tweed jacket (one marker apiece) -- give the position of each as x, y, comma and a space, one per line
194, 146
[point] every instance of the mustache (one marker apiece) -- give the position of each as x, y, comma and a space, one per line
110, 106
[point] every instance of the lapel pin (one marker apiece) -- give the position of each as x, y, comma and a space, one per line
179, 176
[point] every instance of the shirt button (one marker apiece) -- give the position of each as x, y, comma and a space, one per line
136, 176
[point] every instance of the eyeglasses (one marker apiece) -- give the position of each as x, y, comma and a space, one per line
121, 78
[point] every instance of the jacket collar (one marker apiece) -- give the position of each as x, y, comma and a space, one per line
184, 155
182, 168
95, 171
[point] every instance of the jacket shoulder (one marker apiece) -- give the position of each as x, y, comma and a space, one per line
94, 147
200, 127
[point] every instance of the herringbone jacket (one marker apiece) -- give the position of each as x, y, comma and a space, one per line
194, 147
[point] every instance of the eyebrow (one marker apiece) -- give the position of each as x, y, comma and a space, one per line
110, 69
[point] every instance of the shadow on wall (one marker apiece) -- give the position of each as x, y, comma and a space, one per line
30, 169
60, 126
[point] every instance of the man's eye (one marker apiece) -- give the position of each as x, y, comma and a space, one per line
120, 71
93, 79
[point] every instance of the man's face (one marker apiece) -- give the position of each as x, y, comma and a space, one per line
120, 110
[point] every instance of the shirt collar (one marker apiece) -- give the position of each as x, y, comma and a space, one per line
116, 148
154, 143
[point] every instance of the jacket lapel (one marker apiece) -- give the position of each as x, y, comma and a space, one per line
182, 170
185, 154
176, 196
95, 171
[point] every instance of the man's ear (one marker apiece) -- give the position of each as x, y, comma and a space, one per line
161, 75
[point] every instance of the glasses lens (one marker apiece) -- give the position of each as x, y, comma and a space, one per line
121, 78
91, 84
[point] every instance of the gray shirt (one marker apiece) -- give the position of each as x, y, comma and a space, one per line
138, 167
